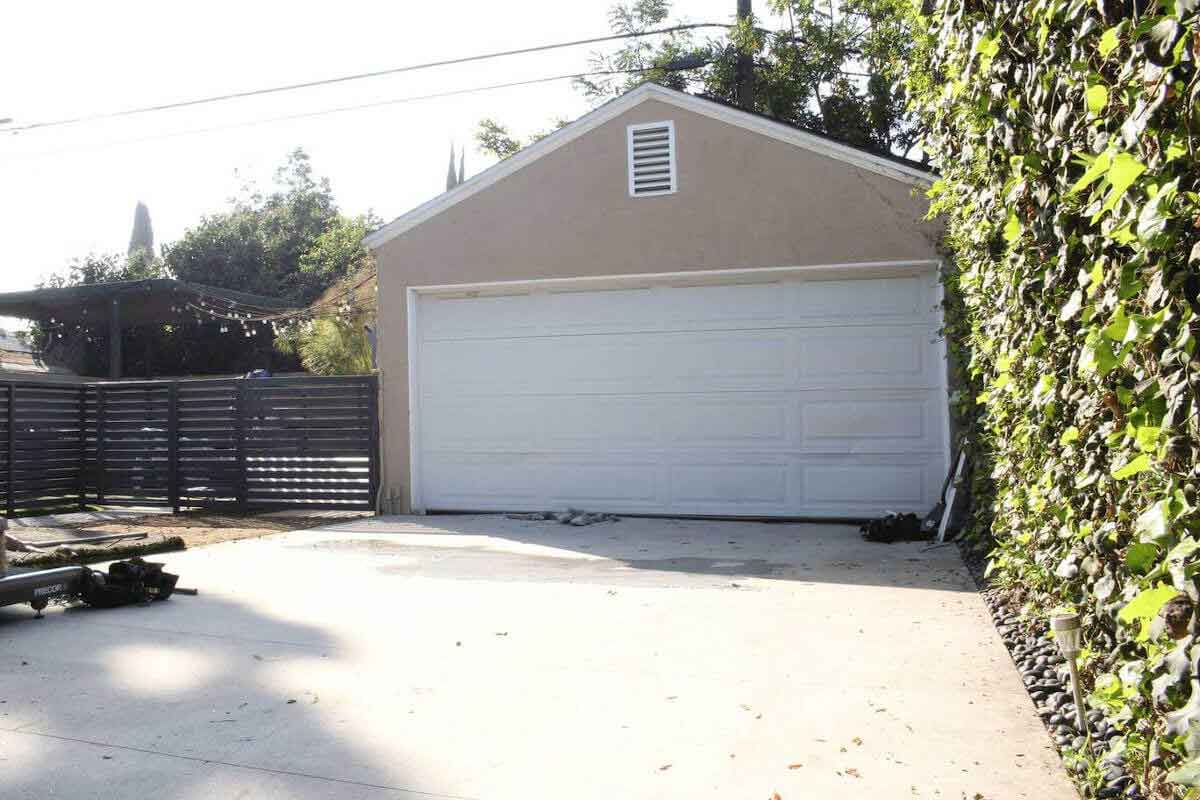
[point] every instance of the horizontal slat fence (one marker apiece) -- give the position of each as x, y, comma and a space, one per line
45, 463
296, 442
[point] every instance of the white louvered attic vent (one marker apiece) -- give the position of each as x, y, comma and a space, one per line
652, 159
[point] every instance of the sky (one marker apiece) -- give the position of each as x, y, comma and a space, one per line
69, 191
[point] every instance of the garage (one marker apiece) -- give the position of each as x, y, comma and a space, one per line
669, 306
808, 392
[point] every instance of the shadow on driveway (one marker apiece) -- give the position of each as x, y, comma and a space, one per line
201, 697
645, 551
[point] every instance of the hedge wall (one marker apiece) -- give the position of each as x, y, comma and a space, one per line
1065, 132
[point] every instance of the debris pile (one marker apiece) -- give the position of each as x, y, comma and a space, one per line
572, 516
894, 527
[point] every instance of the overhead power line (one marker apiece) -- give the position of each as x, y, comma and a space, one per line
347, 78
363, 106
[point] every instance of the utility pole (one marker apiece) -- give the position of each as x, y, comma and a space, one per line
745, 62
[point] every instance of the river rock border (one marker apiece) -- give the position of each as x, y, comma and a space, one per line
1044, 672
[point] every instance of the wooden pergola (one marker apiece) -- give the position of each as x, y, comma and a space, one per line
121, 304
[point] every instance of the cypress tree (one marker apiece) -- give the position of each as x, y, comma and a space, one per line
451, 178
142, 238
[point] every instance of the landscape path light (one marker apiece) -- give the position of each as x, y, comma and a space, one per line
1068, 634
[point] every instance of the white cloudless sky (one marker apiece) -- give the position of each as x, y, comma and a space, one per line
69, 191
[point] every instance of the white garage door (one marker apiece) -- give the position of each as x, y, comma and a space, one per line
810, 395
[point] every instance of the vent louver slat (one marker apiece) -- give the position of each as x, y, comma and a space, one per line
652, 159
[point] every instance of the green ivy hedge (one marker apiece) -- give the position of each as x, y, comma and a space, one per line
1066, 136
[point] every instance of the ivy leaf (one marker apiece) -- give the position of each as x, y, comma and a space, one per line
1187, 775
1109, 41
1145, 607
1097, 99
987, 47
1123, 235
1154, 214
1097, 356
1097, 167
1147, 438
1012, 228
1140, 557
1044, 390
1151, 524
1119, 326
1139, 464
1178, 671
1181, 722
1071, 434
1095, 277
1124, 170
1072, 306
1163, 36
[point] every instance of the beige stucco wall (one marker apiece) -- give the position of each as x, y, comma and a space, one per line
744, 200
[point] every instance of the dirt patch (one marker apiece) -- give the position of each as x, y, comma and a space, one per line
164, 532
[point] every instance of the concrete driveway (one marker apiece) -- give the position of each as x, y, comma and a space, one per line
481, 657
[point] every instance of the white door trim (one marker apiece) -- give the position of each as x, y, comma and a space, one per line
414, 404
857, 269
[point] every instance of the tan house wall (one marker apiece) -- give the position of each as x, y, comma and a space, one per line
744, 200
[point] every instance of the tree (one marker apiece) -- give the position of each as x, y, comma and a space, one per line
142, 238
258, 245
105, 269
332, 340
451, 177
646, 59
330, 345
290, 243
834, 69
495, 139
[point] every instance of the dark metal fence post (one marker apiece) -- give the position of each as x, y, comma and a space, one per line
173, 446
101, 467
373, 469
240, 439
83, 392
10, 504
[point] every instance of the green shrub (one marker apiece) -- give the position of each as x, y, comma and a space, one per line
1065, 133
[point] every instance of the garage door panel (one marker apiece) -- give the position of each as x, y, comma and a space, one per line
902, 299
737, 420
794, 398
598, 423
876, 357
871, 421
729, 485
458, 318
845, 484
498, 423
480, 481
611, 311
754, 305
603, 487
